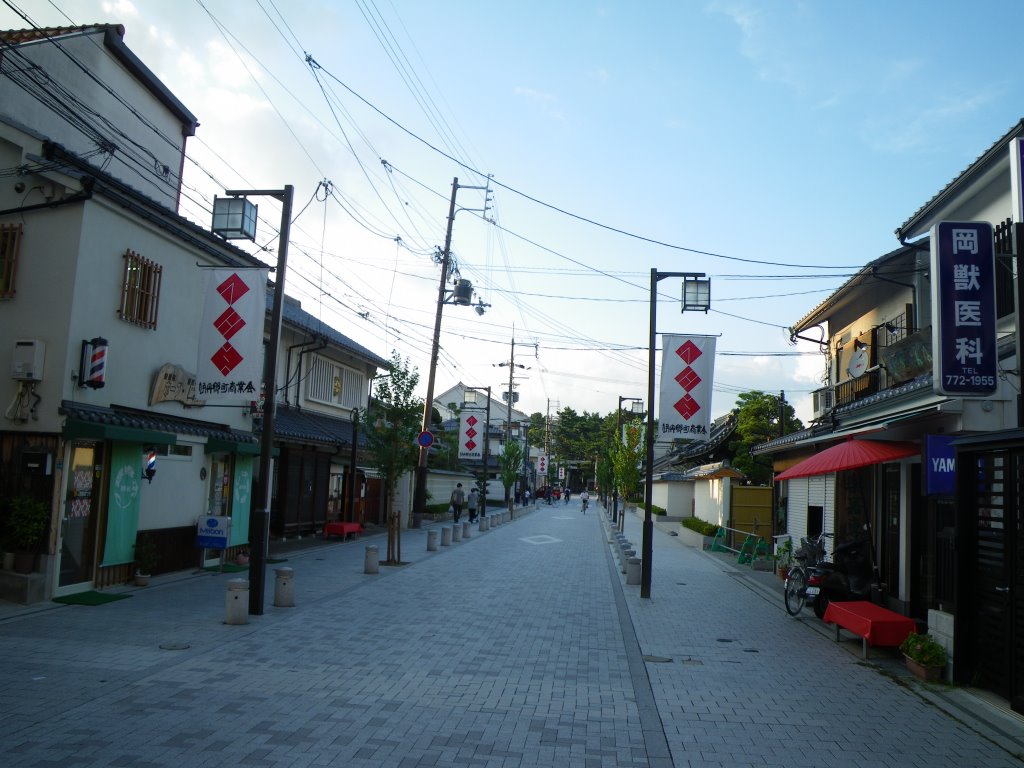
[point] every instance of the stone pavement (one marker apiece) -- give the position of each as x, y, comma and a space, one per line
521, 646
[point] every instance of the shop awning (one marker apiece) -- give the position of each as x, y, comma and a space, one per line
75, 429
225, 445
850, 454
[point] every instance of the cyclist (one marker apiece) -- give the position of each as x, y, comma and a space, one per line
585, 499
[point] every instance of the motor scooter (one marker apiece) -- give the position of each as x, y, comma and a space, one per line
848, 577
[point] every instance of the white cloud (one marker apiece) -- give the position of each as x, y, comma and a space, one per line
530, 93
121, 9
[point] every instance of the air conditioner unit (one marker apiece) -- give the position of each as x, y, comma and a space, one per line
27, 361
824, 401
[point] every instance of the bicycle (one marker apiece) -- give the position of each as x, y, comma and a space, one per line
804, 581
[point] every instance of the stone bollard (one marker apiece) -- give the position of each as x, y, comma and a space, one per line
483, 523
371, 563
633, 571
487, 523
456, 532
494, 521
236, 602
284, 588
466, 530
446, 536
626, 555
431, 541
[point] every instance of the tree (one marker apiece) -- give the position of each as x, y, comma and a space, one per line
626, 458
393, 424
758, 422
510, 462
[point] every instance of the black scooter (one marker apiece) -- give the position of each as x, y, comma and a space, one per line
848, 577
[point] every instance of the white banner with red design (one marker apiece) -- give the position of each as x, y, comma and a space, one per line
687, 375
471, 437
230, 362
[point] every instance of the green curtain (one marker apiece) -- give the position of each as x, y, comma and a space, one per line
123, 504
241, 500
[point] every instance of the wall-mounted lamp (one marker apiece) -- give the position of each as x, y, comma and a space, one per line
150, 469
859, 345
890, 326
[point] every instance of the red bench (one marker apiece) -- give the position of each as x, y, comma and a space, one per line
339, 528
874, 624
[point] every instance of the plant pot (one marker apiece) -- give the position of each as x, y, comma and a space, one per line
24, 562
783, 571
142, 579
929, 674
242, 559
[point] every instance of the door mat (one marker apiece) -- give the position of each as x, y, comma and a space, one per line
89, 598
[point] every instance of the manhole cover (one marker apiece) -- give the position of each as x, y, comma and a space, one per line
658, 659
175, 646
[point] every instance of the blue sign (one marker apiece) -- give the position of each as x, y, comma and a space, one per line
940, 465
213, 532
964, 307
424, 439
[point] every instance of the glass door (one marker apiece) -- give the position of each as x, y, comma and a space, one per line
77, 546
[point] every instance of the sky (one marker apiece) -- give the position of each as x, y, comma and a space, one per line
774, 146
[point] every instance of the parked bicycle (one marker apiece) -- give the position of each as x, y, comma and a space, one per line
804, 580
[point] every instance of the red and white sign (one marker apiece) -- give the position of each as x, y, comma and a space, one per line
230, 361
542, 465
687, 375
471, 437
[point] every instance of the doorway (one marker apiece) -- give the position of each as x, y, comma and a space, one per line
77, 547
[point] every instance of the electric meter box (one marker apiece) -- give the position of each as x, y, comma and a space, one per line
27, 362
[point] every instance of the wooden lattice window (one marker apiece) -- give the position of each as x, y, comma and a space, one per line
10, 242
140, 290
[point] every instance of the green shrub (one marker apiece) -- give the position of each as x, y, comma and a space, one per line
700, 526
656, 510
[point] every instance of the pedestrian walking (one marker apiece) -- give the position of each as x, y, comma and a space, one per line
456, 501
526, 497
568, 493
471, 504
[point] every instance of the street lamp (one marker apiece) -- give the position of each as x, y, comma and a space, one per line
233, 218
636, 408
696, 297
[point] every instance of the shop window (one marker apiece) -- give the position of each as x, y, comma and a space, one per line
140, 290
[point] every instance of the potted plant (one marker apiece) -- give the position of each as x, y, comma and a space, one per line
26, 526
145, 559
924, 656
784, 558
242, 558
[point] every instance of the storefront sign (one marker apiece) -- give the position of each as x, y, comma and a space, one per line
213, 532
940, 465
964, 303
172, 382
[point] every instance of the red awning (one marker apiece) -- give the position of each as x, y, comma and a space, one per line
850, 454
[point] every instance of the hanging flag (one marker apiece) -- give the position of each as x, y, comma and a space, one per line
687, 375
230, 362
471, 437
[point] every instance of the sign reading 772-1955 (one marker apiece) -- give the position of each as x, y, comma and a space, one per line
964, 305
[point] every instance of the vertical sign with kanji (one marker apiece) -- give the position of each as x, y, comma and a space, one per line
230, 362
964, 307
471, 438
687, 376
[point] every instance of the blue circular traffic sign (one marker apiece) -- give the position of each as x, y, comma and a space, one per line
425, 439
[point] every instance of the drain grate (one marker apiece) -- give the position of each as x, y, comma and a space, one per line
724, 640
658, 659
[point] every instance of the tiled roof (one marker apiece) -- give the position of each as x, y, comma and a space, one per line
18, 36
309, 426
297, 317
721, 429
157, 422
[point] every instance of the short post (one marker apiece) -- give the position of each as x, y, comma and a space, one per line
446, 536
456, 532
431, 541
284, 587
626, 555
483, 523
371, 563
466, 530
633, 571
236, 602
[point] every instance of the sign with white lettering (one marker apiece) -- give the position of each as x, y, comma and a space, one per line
940, 465
687, 377
964, 307
471, 436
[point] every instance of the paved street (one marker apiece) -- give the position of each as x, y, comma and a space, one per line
521, 646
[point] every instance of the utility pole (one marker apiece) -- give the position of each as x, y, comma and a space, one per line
511, 396
419, 499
